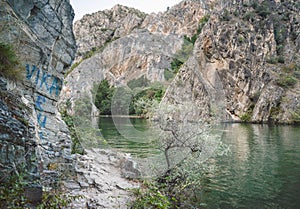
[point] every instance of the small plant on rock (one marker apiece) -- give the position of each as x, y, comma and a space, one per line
9, 64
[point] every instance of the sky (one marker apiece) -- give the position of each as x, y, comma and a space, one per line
82, 7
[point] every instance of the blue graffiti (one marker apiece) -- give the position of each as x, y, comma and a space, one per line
42, 123
56, 85
44, 80
37, 77
41, 135
30, 73
39, 101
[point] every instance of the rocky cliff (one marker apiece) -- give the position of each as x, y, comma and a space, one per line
244, 65
94, 30
33, 138
128, 45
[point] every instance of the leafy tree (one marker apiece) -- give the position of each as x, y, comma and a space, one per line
103, 97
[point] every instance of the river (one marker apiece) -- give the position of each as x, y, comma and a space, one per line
262, 169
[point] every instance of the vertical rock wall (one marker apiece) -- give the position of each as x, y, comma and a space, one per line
32, 133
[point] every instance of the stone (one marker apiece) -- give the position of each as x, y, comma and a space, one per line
72, 185
29, 124
34, 194
130, 169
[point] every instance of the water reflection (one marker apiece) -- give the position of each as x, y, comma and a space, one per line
130, 135
263, 170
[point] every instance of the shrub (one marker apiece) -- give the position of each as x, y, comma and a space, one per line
286, 81
263, 9
202, 22
9, 64
76, 146
249, 16
281, 59
296, 116
272, 60
151, 196
75, 65
169, 75
275, 60
176, 64
246, 117
12, 191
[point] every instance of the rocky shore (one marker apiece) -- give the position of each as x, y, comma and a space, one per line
103, 179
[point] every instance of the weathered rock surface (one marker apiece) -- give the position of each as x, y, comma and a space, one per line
232, 72
182, 19
96, 29
99, 180
131, 57
32, 133
245, 64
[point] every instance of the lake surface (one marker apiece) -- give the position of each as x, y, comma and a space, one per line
261, 171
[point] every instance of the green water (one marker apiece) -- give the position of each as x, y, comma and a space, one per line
262, 170
136, 136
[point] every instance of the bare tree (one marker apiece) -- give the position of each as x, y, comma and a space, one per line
182, 136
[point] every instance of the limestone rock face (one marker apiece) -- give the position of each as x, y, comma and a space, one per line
244, 65
32, 133
94, 30
241, 63
182, 18
138, 54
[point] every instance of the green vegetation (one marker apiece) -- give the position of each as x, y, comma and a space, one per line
180, 170
144, 99
150, 196
296, 116
202, 23
262, 9
249, 16
124, 100
169, 75
286, 81
75, 65
56, 199
121, 100
139, 82
275, 60
103, 96
187, 48
87, 133
89, 54
289, 76
76, 146
12, 190
9, 64
12, 193
246, 117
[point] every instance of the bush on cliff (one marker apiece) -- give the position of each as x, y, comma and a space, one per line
9, 64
